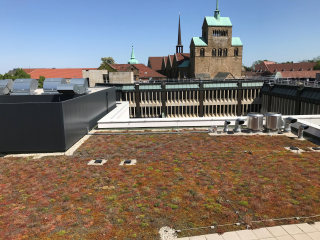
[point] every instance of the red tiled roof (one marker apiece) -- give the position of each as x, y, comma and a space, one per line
289, 66
183, 56
299, 74
144, 71
57, 73
273, 67
156, 63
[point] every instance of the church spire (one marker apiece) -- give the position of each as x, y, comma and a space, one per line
179, 47
217, 12
133, 59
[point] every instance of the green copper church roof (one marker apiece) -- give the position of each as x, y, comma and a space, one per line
185, 64
236, 42
223, 22
199, 41
133, 59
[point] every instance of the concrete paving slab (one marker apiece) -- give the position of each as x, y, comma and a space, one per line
307, 228
292, 229
268, 238
302, 236
202, 237
231, 236
277, 231
214, 237
247, 235
285, 238
314, 236
317, 226
262, 233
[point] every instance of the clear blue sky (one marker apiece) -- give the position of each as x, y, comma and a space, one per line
69, 33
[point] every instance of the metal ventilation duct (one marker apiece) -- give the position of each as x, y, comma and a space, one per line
82, 83
68, 89
5, 86
255, 121
24, 87
50, 85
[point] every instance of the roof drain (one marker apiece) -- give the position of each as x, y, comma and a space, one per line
128, 162
97, 162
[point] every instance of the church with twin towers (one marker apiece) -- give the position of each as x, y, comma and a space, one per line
214, 55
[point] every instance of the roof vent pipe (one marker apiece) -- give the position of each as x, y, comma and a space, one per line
287, 123
213, 129
301, 129
226, 125
238, 124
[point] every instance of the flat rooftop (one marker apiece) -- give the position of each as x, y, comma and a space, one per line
183, 181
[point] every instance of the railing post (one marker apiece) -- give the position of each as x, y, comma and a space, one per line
201, 99
239, 98
138, 109
163, 100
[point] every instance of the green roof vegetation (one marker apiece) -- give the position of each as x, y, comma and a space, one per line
199, 41
223, 22
236, 41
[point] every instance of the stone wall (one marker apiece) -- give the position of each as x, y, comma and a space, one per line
94, 76
121, 77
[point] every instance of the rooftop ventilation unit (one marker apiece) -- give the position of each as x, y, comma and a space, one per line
76, 86
82, 83
5, 86
24, 87
273, 121
255, 121
68, 89
50, 85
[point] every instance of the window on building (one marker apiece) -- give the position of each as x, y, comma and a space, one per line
300, 69
219, 52
236, 52
226, 32
225, 52
214, 52
202, 52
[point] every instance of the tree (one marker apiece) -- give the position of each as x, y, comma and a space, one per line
105, 64
257, 63
41, 80
317, 66
18, 74
109, 60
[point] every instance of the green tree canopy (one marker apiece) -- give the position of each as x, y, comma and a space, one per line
109, 60
317, 66
105, 64
41, 80
256, 63
18, 74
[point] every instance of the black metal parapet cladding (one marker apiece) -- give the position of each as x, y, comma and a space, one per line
50, 123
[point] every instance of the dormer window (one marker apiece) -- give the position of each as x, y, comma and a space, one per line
309, 69
300, 69
283, 70
292, 70
275, 70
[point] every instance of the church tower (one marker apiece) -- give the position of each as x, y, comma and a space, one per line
179, 47
216, 51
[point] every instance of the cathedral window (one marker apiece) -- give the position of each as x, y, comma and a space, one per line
236, 52
219, 52
225, 52
214, 52
202, 52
